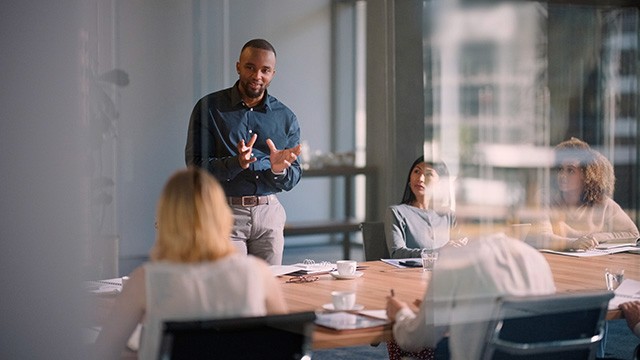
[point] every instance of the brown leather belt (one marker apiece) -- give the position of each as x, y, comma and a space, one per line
249, 200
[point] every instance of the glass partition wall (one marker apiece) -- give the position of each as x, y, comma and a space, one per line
504, 83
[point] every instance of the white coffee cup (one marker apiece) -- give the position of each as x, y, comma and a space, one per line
343, 300
346, 267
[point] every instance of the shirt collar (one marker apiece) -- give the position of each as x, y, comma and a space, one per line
236, 99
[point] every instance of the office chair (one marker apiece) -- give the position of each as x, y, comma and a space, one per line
373, 241
559, 326
271, 337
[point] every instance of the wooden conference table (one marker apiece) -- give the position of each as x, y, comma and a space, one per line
570, 274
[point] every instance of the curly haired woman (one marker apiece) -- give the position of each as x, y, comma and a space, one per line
582, 213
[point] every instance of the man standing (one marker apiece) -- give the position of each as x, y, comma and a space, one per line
235, 134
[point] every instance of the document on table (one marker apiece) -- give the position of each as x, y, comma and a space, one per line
592, 252
301, 269
629, 290
279, 270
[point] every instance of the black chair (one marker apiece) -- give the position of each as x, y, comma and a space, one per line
277, 337
373, 241
560, 326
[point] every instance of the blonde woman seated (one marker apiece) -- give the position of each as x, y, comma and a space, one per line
582, 213
194, 272
423, 219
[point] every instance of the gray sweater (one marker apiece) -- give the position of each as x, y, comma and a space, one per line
409, 229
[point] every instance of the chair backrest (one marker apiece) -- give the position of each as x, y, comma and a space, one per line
277, 337
373, 241
559, 326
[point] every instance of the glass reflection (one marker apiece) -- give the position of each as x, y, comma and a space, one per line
505, 82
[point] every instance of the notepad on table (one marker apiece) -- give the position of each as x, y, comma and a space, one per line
617, 243
629, 290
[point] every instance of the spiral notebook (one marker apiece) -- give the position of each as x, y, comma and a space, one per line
104, 287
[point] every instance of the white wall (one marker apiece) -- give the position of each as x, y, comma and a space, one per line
154, 45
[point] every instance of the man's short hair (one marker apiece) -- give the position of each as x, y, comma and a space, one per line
259, 44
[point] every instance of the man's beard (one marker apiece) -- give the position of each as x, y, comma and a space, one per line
254, 94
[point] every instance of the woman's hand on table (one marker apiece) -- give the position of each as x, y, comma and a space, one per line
586, 242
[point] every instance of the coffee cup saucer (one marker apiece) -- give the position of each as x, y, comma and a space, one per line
329, 307
337, 275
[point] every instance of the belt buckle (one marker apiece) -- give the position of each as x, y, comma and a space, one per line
251, 201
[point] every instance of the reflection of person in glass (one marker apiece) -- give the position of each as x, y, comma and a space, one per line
582, 213
461, 295
194, 272
423, 219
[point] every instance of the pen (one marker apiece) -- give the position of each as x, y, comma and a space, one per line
393, 293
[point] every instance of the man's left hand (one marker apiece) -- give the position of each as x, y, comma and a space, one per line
282, 159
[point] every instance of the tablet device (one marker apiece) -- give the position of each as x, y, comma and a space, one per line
345, 320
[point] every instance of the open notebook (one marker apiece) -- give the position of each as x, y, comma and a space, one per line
629, 290
616, 243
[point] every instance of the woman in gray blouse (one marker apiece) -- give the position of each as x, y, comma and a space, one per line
424, 218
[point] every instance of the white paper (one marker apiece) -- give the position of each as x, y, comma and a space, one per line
614, 243
593, 252
279, 270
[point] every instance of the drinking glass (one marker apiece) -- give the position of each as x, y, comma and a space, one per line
429, 258
614, 278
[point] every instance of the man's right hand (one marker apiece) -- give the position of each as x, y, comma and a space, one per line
245, 155
393, 306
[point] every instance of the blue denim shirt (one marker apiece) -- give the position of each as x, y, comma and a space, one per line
220, 120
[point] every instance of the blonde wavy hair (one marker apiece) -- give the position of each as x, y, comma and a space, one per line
193, 219
599, 177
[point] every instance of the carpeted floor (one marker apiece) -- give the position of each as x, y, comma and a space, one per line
620, 345
353, 353
620, 341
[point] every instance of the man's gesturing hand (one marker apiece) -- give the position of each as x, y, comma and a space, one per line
282, 159
245, 156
